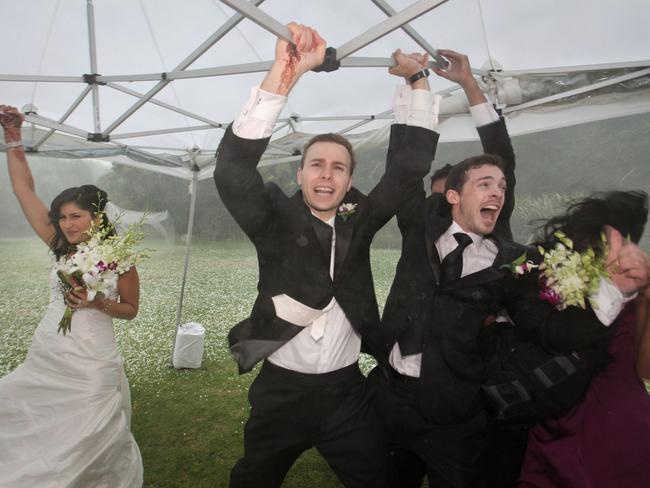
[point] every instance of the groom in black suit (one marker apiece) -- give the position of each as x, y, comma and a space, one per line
449, 282
316, 307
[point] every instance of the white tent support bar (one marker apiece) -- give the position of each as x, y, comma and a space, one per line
279, 148
413, 34
261, 18
165, 105
372, 62
207, 172
129, 135
198, 52
67, 149
52, 124
158, 157
72, 108
188, 246
350, 62
578, 91
145, 148
181, 173
288, 159
381, 116
299, 118
92, 47
279, 127
234, 69
43, 78
560, 70
402, 17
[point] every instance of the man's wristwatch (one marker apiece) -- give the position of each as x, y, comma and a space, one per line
420, 74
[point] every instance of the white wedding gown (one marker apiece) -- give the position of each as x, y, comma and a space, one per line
65, 412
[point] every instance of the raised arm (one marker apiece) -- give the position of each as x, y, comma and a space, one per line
412, 144
239, 183
575, 328
491, 129
20, 175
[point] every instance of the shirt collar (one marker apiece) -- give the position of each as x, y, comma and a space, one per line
329, 221
454, 227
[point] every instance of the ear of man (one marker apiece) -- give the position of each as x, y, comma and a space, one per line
453, 196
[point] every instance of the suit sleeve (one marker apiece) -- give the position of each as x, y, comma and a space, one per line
239, 184
496, 140
565, 331
410, 152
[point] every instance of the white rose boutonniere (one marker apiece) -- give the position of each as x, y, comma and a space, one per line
346, 209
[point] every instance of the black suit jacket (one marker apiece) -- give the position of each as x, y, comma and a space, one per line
450, 318
291, 258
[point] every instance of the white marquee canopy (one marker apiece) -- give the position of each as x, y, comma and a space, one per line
154, 83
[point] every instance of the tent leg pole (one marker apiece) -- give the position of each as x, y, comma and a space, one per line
188, 245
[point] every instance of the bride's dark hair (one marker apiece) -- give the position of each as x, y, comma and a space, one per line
86, 197
626, 211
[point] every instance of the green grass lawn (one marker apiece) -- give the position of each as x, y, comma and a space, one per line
188, 424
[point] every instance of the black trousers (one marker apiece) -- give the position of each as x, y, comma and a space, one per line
292, 412
450, 455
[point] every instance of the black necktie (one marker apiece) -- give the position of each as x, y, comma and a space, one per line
452, 265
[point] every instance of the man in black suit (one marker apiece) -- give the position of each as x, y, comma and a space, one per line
494, 137
450, 280
316, 307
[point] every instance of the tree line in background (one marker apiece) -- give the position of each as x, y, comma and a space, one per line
551, 166
141, 190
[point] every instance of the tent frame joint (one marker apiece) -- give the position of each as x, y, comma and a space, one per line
91, 79
330, 63
98, 137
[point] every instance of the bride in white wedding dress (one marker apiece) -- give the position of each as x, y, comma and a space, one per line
65, 412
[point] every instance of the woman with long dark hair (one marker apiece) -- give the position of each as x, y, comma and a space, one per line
604, 440
65, 411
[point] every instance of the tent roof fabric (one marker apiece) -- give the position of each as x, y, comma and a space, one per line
154, 83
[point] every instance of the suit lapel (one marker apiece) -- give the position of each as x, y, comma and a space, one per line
344, 229
437, 221
506, 252
318, 240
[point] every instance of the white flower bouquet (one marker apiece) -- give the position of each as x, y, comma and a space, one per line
98, 262
569, 277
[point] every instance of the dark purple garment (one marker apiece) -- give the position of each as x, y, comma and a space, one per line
604, 441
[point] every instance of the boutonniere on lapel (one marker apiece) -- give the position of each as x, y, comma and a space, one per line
346, 209
568, 276
520, 266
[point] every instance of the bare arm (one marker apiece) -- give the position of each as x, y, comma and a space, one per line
21, 178
292, 61
460, 72
128, 287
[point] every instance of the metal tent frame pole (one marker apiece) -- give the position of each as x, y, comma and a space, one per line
188, 246
93, 64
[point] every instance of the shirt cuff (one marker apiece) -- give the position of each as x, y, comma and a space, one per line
259, 114
401, 102
608, 301
483, 114
423, 109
